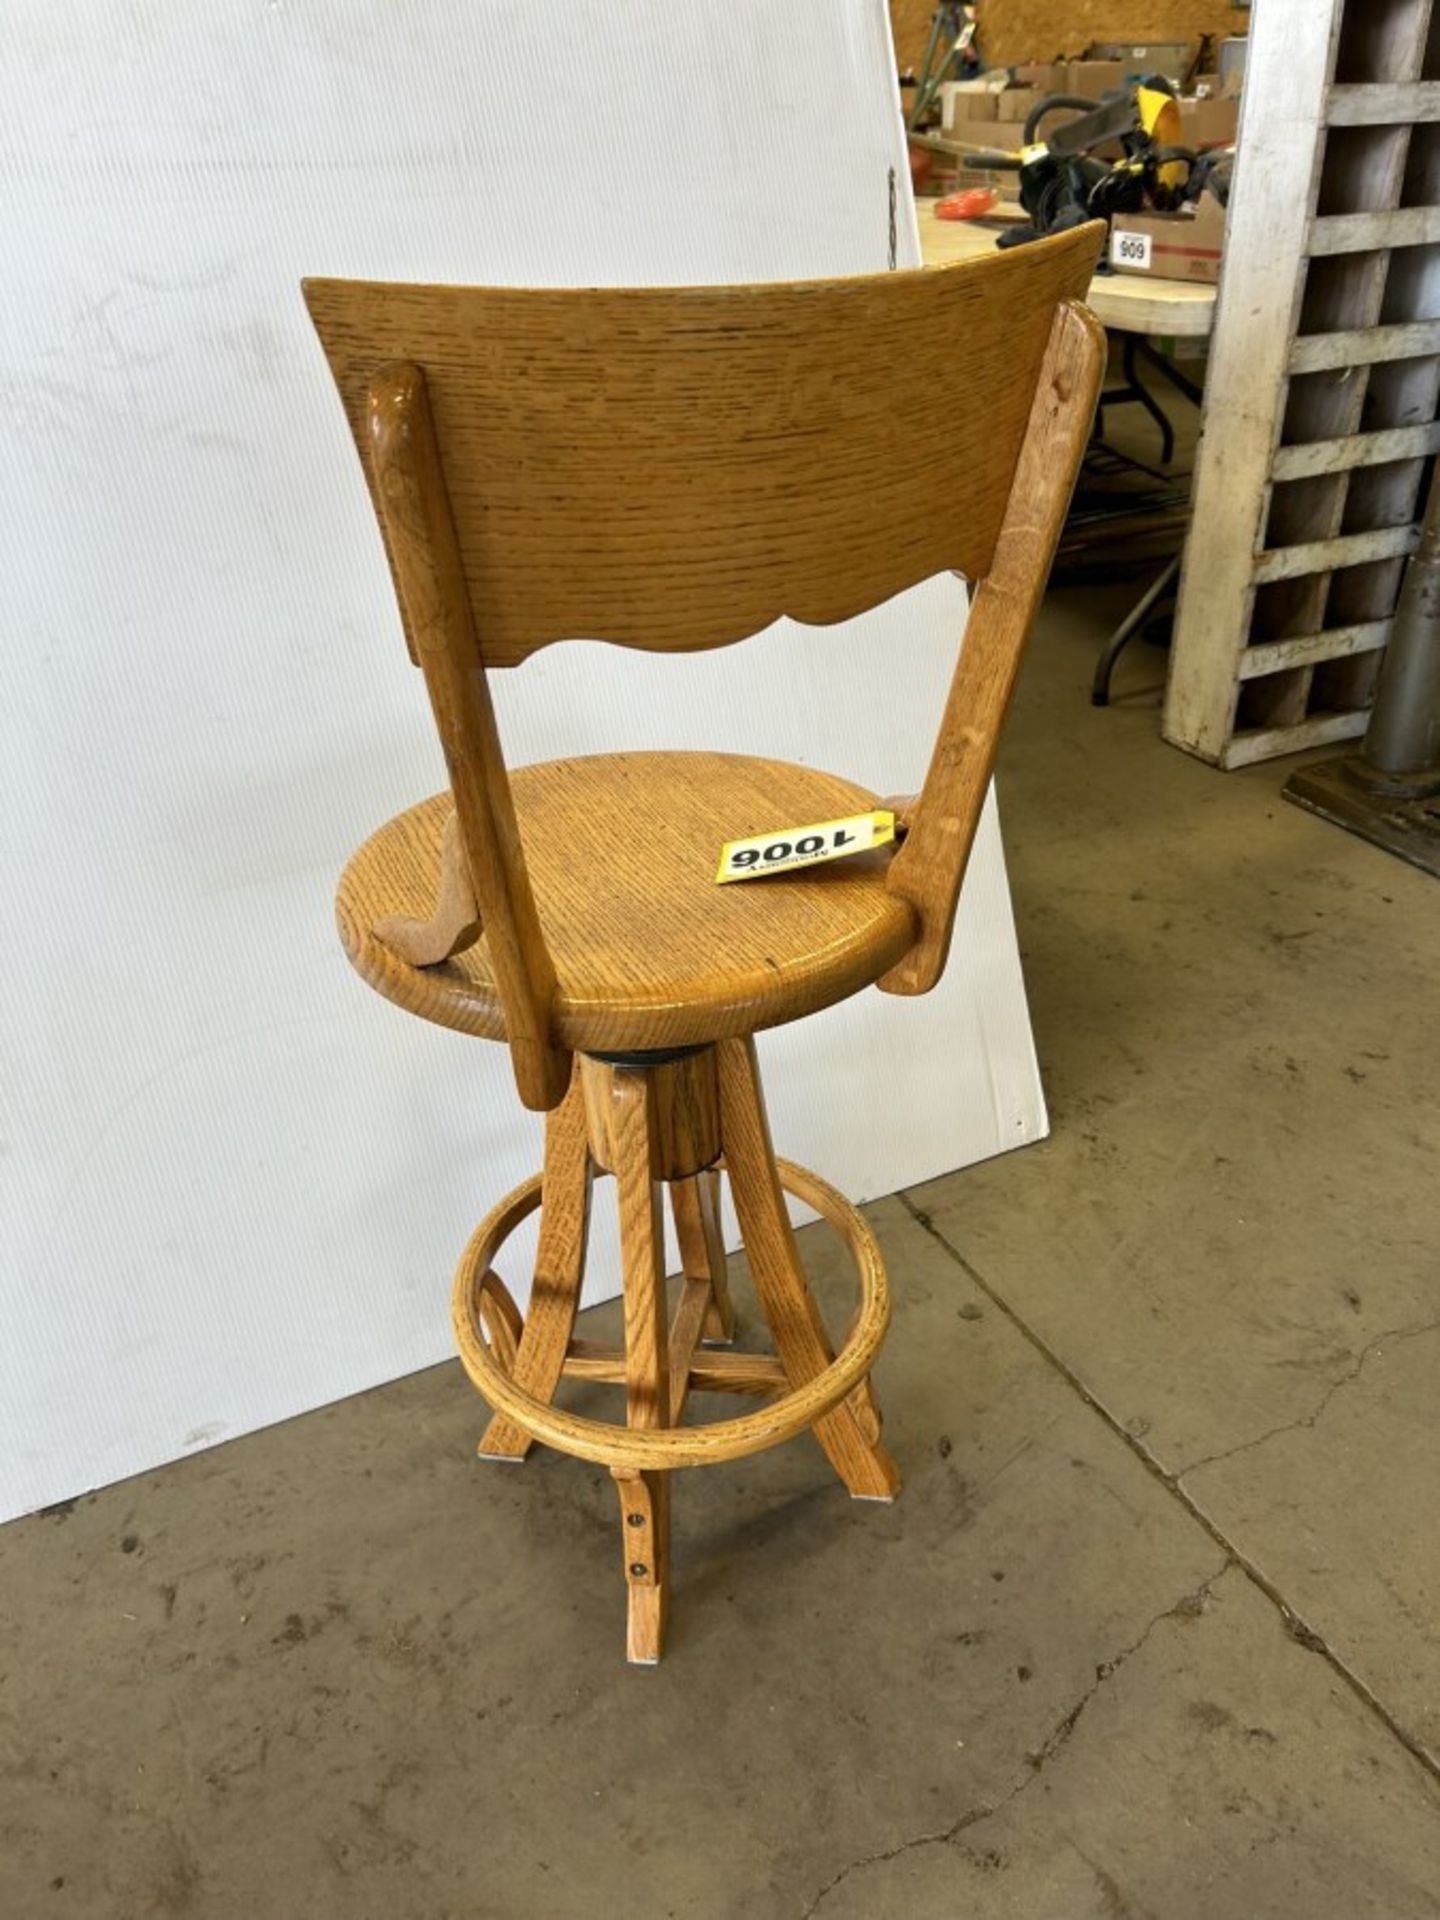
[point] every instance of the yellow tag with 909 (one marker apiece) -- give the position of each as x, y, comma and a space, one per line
790, 847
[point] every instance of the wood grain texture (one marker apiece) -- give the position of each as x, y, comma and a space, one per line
644, 1497
1368, 168
1290, 62
1319, 730
559, 1269
1309, 649
685, 1329
425, 556
676, 468
685, 1114
1384, 104
1347, 451
645, 1531
500, 1319
712, 1370
455, 923
695, 1207
1364, 346
848, 1435
647, 951
1343, 550
668, 1449
930, 864
1303, 488
1361, 168
1365, 232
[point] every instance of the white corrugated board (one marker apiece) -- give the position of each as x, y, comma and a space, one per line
234, 1181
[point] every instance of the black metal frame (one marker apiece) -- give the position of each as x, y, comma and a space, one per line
1137, 348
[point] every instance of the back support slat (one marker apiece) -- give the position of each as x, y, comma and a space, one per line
675, 468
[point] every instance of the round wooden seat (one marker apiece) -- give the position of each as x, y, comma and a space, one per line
648, 951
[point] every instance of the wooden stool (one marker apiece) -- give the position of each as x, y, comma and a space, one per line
674, 469
648, 1121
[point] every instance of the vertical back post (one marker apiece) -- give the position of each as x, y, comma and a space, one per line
415, 511
930, 865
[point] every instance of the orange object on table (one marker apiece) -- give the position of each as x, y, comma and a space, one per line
967, 205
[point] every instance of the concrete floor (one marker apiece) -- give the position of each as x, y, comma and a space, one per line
1153, 1632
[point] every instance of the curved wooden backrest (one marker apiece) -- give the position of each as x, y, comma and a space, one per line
675, 468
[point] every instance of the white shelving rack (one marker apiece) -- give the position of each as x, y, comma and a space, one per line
1324, 372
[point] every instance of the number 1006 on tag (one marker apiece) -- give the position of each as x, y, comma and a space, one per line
791, 847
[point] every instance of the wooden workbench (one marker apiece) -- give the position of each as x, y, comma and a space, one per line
1127, 302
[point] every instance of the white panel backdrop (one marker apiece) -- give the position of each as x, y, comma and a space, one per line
233, 1183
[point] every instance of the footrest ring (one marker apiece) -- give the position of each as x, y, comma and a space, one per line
650, 1450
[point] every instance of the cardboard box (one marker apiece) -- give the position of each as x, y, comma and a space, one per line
1046, 77
962, 101
1167, 57
1094, 78
985, 135
1170, 246
1013, 106
1210, 123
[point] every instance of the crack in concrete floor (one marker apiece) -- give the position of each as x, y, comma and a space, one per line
1299, 1629
1188, 1606
1307, 1421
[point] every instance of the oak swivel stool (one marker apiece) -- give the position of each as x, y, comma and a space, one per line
674, 469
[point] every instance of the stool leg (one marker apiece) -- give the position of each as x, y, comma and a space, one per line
850, 1433
559, 1270
695, 1205
644, 1497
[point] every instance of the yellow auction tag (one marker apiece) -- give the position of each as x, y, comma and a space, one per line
804, 846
